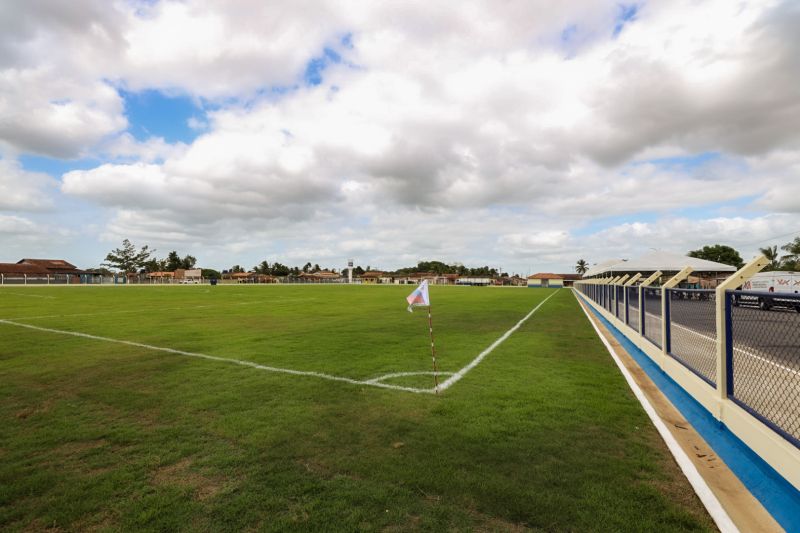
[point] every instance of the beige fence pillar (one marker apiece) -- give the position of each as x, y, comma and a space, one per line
736, 280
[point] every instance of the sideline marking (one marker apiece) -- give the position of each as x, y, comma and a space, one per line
461, 373
701, 488
30, 295
374, 382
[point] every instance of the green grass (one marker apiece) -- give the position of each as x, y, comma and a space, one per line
543, 434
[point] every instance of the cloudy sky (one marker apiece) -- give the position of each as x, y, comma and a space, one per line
522, 134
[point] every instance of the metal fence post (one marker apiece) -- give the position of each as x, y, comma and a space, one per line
728, 345
723, 320
641, 309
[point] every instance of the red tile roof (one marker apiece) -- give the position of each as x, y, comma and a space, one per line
548, 275
51, 264
17, 268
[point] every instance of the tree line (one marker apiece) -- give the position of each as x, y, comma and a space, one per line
128, 258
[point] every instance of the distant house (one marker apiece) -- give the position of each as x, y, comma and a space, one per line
479, 281
188, 275
321, 276
546, 279
44, 271
250, 277
160, 277
374, 277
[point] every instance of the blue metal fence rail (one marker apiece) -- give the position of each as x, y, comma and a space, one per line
762, 342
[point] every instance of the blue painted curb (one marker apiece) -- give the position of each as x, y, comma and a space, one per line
778, 496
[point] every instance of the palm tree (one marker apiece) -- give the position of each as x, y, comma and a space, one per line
771, 253
581, 267
793, 257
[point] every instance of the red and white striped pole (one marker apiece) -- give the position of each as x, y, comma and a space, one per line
433, 352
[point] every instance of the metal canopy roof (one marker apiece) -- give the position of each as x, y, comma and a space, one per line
658, 260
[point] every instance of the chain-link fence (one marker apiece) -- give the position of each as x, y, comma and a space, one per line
632, 318
763, 342
764, 358
692, 331
651, 307
52, 279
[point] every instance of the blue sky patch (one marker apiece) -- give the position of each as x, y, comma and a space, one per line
151, 113
317, 65
56, 167
625, 14
685, 162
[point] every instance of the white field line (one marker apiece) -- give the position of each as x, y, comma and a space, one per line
220, 359
404, 374
374, 382
30, 295
701, 488
185, 308
472, 364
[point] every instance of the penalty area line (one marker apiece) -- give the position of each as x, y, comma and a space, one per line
374, 382
279, 370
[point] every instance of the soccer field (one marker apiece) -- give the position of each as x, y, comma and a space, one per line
311, 408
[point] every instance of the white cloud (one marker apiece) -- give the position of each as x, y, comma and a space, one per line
21, 190
466, 134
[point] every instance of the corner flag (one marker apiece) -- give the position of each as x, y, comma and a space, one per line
419, 297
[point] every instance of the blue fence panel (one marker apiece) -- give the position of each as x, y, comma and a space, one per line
651, 303
633, 307
692, 331
764, 358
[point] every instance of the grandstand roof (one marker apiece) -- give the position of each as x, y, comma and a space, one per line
658, 260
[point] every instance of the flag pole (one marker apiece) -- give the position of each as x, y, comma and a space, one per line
433, 352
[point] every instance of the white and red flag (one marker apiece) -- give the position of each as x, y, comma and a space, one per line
419, 298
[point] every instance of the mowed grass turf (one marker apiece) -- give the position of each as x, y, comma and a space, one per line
543, 434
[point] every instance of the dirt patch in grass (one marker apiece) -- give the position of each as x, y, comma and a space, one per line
485, 523
182, 474
69, 449
42, 408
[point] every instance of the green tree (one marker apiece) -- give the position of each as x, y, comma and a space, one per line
209, 273
155, 265
280, 270
581, 267
791, 261
262, 268
173, 261
127, 259
720, 254
307, 267
771, 253
235, 269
